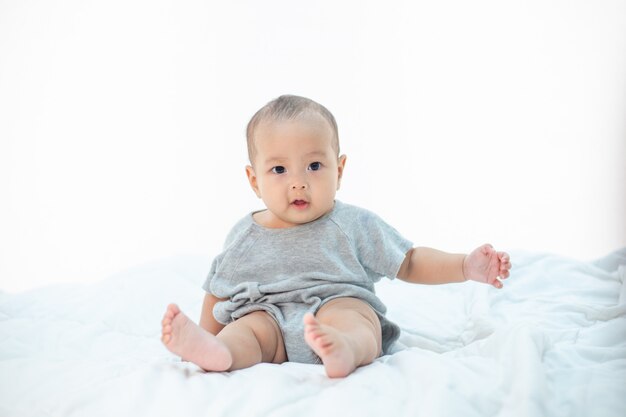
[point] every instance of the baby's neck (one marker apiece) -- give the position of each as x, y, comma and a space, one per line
267, 219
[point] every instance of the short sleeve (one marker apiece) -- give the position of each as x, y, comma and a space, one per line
381, 249
233, 236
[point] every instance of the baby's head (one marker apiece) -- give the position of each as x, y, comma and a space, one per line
293, 147
289, 108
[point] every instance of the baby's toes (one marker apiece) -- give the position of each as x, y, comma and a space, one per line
309, 320
313, 332
166, 334
172, 310
325, 342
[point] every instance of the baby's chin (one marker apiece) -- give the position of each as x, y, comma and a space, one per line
298, 212
302, 215
301, 220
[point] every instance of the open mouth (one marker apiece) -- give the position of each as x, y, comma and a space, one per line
300, 203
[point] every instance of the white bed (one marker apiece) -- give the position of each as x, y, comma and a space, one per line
552, 343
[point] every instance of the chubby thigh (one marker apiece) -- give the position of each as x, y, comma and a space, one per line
353, 318
257, 337
252, 339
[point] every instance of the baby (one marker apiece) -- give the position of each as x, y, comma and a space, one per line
295, 281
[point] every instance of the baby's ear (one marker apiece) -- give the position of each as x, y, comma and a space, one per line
253, 180
341, 164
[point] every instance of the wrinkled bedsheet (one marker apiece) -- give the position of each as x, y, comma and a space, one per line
551, 343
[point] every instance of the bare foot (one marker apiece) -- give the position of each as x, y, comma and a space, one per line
331, 346
192, 343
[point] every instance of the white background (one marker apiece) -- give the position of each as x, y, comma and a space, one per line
122, 123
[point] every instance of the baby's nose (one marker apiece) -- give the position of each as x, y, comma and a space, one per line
299, 186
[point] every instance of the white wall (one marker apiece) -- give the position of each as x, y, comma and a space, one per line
121, 122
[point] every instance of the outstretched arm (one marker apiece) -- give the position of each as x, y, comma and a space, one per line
431, 266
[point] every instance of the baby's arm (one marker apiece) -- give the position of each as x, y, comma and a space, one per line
207, 320
430, 266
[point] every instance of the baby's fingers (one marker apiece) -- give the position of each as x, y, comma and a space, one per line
505, 265
504, 257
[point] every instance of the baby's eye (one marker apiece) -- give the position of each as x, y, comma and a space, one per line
315, 166
278, 170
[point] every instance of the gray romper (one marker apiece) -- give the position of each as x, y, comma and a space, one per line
289, 272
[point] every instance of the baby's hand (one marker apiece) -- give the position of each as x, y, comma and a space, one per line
484, 264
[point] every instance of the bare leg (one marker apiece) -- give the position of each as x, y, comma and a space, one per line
345, 334
251, 339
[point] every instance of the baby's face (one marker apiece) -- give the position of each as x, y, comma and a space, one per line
296, 171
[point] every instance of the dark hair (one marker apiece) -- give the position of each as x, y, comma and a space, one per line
288, 107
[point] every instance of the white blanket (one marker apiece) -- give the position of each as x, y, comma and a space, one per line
551, 343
